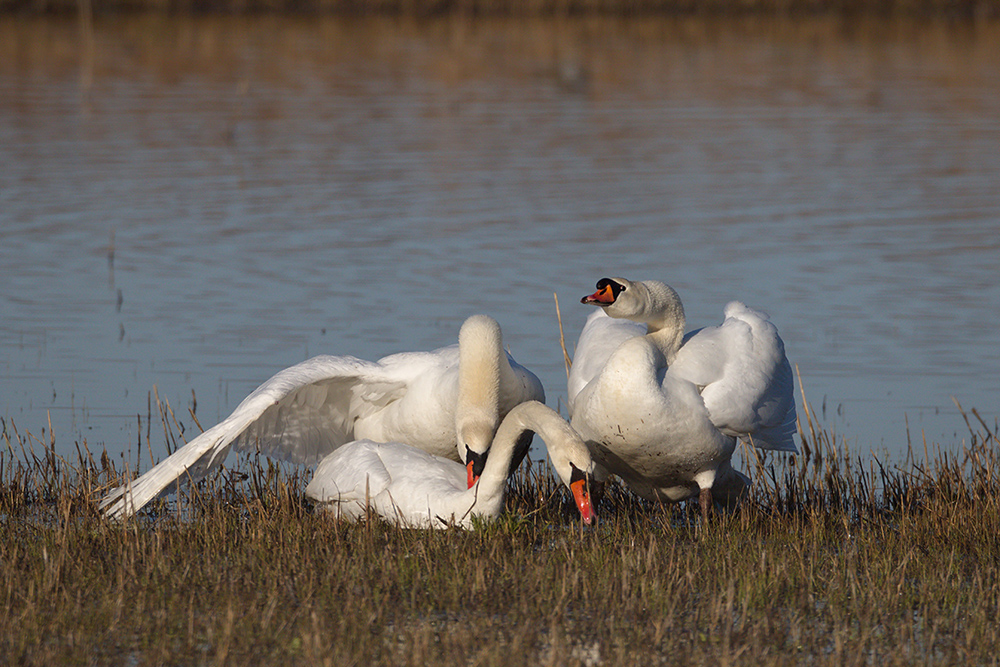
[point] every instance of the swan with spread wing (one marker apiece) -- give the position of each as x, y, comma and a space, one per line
447, 402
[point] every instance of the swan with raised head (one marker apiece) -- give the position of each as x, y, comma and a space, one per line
447, 402
662, 410
414, 489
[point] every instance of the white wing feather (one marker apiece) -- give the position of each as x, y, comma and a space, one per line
740, 369
745, 379
301, 414
305, 412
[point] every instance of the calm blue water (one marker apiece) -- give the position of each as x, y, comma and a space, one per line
272, 189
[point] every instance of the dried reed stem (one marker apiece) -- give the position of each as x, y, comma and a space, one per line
562, 337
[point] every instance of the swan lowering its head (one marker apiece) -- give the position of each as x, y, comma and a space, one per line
414, 489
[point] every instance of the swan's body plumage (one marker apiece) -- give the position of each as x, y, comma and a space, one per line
663, 410
446, 402
600, 337
415, 489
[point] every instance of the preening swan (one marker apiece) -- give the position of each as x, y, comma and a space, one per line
663, 410
447, 402
415, 489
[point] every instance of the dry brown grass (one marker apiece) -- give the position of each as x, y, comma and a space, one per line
836, 558
522, 8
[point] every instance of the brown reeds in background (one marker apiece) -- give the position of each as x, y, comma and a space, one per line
471, 8
836, 557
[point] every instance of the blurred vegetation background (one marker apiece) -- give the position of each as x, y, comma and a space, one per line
953, 9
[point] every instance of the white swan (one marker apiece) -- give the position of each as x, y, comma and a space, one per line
663, 410
447, 402
415, 489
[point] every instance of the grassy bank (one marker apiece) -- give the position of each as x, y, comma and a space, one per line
835, 559
427, 8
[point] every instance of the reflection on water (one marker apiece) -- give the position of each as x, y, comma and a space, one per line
194, 204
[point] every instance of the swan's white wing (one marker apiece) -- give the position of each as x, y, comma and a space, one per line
527, 388
300, 414
350, 476
403, 484
308, 410
324, 402
427, 491
191, 462
744, 377
423, 415
600, 337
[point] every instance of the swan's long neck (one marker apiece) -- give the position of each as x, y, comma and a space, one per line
568, 453
530, 416
663, 314
480, 369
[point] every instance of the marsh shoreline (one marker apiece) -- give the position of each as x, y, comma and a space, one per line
939, 9
835, 558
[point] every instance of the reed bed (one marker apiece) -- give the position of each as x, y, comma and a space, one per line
520, 8
834, 558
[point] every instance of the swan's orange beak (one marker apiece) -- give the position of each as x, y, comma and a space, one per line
474, 465
602, 297
582, 497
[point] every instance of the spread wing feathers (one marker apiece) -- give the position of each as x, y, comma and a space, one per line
600, 337
745, 379
301, 414
308, 410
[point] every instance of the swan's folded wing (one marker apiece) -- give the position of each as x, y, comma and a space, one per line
353, 473
426, 490
421, 473
744, 377
529, 387
403, 484
777, 418
301, 414
600, 337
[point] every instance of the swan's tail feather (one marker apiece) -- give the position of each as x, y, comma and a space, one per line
192, 462
780, 438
